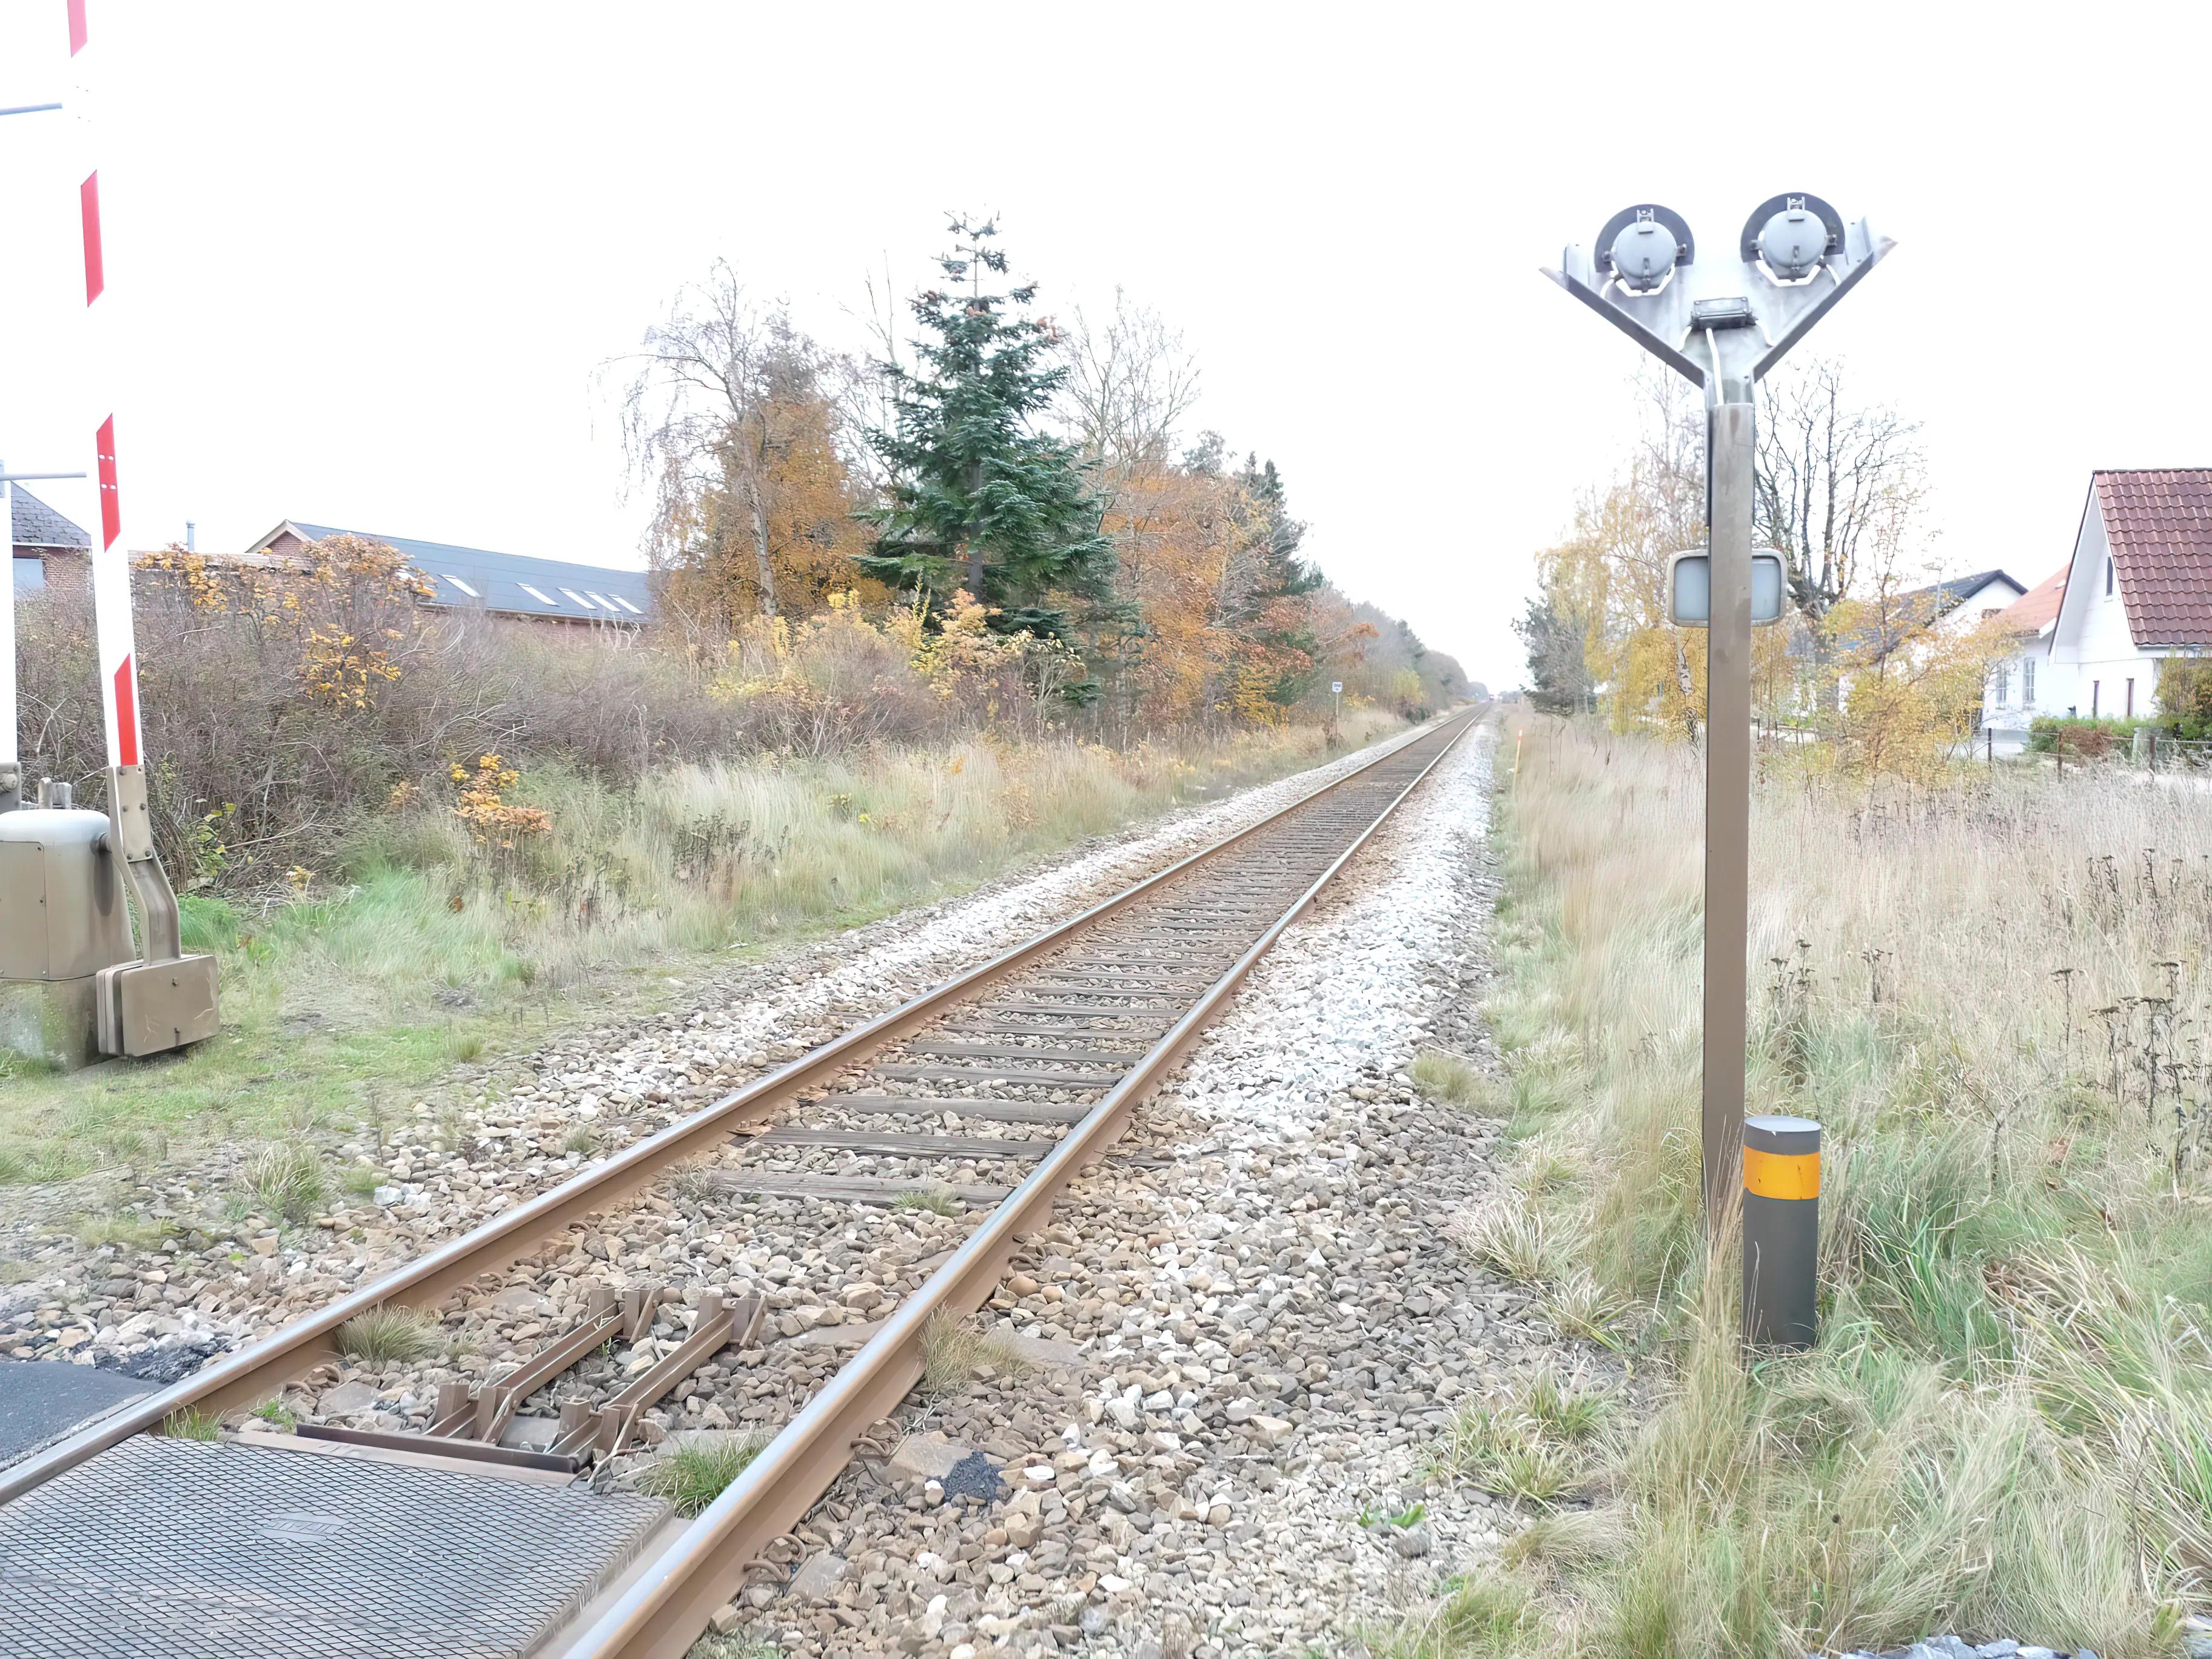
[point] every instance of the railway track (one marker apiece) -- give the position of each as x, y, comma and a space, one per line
991, 1091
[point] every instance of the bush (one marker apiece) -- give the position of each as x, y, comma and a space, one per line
2087, 739
2184, 696
295, 716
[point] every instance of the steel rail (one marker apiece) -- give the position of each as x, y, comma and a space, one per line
669, 1605
256, 1372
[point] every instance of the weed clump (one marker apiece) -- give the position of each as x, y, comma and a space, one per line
387, 1336
287, 1182
953, 1351
690, 1474
1533, 1443
935, 1203
1481, 1618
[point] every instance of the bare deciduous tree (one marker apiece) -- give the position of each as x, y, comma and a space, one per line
1131, 383
1840, 485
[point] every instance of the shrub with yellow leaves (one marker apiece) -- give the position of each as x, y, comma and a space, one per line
485, 810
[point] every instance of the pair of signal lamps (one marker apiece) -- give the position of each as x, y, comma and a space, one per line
1789, 239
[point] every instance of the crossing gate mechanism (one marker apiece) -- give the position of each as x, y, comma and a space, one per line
73, 987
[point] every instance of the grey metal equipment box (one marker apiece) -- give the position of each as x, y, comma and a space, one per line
61, 915
61, 920
151, 1007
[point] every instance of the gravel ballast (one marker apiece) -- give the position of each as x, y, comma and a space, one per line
1214, 1375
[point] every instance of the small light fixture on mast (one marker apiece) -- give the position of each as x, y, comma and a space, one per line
1690, 588
1722, 324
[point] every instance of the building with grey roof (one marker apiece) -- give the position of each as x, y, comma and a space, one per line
502, 584
38, 534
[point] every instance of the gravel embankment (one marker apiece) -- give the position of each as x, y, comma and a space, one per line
229, 1272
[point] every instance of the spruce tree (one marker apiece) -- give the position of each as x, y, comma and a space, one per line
981, 499
1285, 631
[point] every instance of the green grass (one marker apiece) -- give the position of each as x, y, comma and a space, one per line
1479, 1619
388, 1336
190, 1426
1447, 1077
690, 1474
128, 1232
1501, 1450
421, 954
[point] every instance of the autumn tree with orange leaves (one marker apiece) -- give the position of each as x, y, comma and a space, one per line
736, 418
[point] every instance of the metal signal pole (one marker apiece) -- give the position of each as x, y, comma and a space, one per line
1730, 449
1722, 324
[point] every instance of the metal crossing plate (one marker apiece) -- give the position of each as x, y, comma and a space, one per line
186, 1549
40, 1399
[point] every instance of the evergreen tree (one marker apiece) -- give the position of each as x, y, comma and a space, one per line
1282, 627
1559, 670
979, 498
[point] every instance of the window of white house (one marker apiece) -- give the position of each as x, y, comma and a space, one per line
2004, 684
2108, 579
2027, 682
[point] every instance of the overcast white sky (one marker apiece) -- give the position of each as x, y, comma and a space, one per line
363, 260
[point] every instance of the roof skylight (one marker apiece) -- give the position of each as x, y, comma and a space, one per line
579, 599
541, 596
463, 586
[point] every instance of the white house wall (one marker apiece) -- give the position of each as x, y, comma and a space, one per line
2094, 645
2019, 710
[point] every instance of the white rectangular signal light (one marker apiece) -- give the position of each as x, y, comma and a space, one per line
1690, 589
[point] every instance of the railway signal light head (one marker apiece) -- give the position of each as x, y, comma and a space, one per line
1725, 322
1792, 243
1640, 247
1644, 256
1789, 238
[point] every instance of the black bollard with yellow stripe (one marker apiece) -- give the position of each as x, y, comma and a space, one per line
1781, 1230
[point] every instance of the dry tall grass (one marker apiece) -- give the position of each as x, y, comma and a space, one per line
1993, 993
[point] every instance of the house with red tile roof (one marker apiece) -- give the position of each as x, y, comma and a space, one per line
2137, 591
